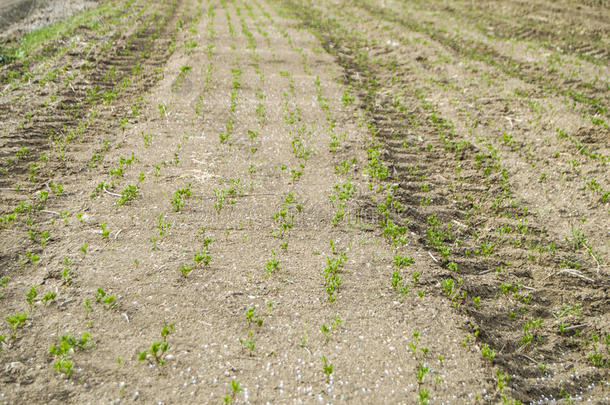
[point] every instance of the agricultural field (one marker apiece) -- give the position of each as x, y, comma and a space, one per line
288, 201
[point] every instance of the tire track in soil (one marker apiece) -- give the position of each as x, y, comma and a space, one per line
143, 41
370, 354
594, 99
567, 28
68, 128
529, 157
67, 125
55, 124
490, 319
62, 115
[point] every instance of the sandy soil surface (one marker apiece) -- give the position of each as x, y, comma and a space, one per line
287, 201
22, 16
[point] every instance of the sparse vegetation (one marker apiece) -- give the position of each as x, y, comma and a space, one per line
425, 184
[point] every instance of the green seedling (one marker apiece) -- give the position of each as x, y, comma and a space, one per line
163, 110
327, 367
398, 284
185, 269
162, 226
109, 301
422, 370
57, 188
84, 247
202, 257
65, 273
17, 321
105, 230
147, 139
273, 264
87, 305
488, 352
129, 193
220, 196
423, 397
180, 197
50, 296
65, 347
252, 318
30, 297
3, 283
403, 261
249, 342
235, 388
158, 349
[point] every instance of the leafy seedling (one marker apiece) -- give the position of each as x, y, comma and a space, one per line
158, 349
109, 301
65, 348
17, 321
327, 367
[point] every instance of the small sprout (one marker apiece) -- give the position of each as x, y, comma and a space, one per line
87, 306
180, 196
66, 347
66, 271
327, 367
105, 230
325, 331
487, 352
17, 321
109, 301
185, 269
422, 370
84, 247
30, 297
158, 349
403, 261
249, 343
129, 193
272, 264
50, 296
423, 396
235, 387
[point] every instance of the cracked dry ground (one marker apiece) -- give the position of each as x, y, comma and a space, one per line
296, 202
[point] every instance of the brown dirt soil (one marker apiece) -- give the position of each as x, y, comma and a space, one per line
23, 16
292, 202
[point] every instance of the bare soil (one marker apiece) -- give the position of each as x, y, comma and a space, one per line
18, 17
293, 202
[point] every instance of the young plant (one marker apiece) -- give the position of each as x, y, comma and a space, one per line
158, 349
105, 230
3, 284
235, 389
17, 321
327, 367
30, 297
249, 342
129, 193
50, 296
64, 349
258, 320
185, 269
180, 197
272, 265
109, 301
